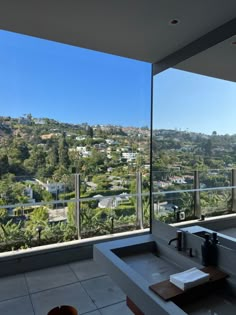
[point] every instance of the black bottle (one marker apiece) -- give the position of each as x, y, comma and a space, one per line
206, 250
214, 250
214, 238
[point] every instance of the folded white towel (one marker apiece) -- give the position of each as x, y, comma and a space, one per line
189, 278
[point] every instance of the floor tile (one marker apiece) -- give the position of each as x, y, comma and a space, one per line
18, 306
116, 309
103, 291
50, 278
72, 294
12, 287
86, 269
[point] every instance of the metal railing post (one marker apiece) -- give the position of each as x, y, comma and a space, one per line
233, 191
196, 200
139, 203
77, 204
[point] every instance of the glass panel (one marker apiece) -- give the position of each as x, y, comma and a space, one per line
66, 111
193, 145
178, 206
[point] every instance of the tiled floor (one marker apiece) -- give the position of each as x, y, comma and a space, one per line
80, 284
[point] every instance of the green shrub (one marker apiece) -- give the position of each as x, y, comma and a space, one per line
124, 210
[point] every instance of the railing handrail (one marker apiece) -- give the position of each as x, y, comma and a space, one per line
147, 194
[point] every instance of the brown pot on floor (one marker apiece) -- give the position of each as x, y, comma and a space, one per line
63, 310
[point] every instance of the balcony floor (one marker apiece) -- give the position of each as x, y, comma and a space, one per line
81, 284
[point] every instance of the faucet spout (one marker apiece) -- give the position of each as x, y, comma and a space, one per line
172, 240
178, 240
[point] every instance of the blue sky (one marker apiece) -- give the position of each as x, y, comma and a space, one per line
71, 84
194, 102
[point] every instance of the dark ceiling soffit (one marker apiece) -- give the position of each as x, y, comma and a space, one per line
212, 38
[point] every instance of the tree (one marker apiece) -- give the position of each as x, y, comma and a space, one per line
102, 182
4, 164
11, 191
46, 195
11, 232
90, 132
53, 157
71, 218
29, 117
63, 152
140, 161
3, 213
39, 217
37, 161
60, 172
18, 151
208, 146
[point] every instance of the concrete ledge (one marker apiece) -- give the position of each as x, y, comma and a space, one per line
55, 254
214, 223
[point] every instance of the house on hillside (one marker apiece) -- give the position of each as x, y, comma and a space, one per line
112, 202
28, 192
82, 151
53, 188
129, 156
163, 207
49, 136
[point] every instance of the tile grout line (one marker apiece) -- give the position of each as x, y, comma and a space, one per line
14, 298
27, 285
71, 269
93, 300
89, 295
101, 275
68, 284
96, 277
64, 285
80, 281
123, 301
87, 313
52, 288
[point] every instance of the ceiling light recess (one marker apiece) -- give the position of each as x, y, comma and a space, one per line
174, 22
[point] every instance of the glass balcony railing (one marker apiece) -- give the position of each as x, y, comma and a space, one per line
27, 225
185, 196
37, 212
176, 206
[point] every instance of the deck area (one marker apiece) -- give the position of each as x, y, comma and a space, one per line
80, 284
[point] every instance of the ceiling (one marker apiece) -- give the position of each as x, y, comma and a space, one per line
218, 61
137, 29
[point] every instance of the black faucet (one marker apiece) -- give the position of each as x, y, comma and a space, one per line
178, 240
